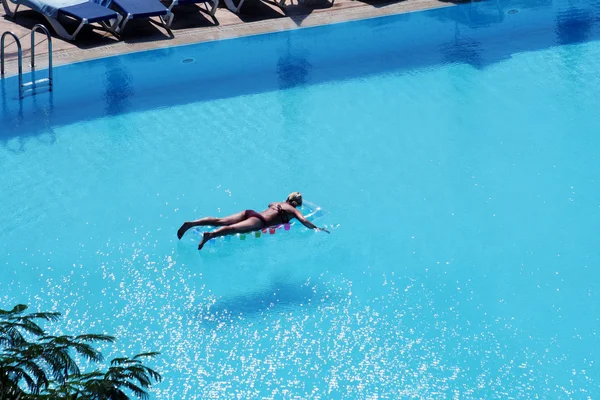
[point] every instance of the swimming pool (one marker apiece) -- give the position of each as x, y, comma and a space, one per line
456, 149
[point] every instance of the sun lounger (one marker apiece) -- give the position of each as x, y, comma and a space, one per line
212, 10
83, 11
133, 9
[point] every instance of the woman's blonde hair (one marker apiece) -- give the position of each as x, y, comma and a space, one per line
295, 199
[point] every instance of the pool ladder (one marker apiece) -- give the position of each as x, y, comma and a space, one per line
27, 87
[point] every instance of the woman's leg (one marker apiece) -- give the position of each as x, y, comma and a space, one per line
249, 225
211, 221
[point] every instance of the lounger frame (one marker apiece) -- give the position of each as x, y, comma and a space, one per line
165, 20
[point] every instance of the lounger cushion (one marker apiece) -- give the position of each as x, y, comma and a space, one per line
141, 8
90, 11
48, 7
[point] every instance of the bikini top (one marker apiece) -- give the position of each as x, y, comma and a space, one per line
283, 214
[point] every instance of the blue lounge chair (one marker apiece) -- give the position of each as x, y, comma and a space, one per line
211, 10
83, 11
133, 9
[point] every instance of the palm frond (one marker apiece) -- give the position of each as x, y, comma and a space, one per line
95, 338
119, 360
136, 390
87, 351
59, 340
19, 308
10, 336
154, 374
11, 331
33, 374
28, 326
48, 316
147, 354
46, 370
89, 376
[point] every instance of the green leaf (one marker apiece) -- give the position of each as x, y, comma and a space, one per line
96, 338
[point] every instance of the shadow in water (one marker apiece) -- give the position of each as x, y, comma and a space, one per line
118, 87
574, 26
463, 50
293, 68
277, 296
475, 14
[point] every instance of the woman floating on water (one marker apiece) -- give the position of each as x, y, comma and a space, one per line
250, 220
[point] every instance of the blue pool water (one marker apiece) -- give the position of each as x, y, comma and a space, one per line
456, 149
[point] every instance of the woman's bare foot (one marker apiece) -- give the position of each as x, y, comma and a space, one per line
205, 238
183, 229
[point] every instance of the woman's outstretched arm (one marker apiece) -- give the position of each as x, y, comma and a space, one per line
307, 223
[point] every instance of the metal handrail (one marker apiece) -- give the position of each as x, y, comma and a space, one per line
44, 30
20, 59
29, 86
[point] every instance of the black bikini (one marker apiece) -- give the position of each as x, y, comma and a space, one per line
252, 213
280, 211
